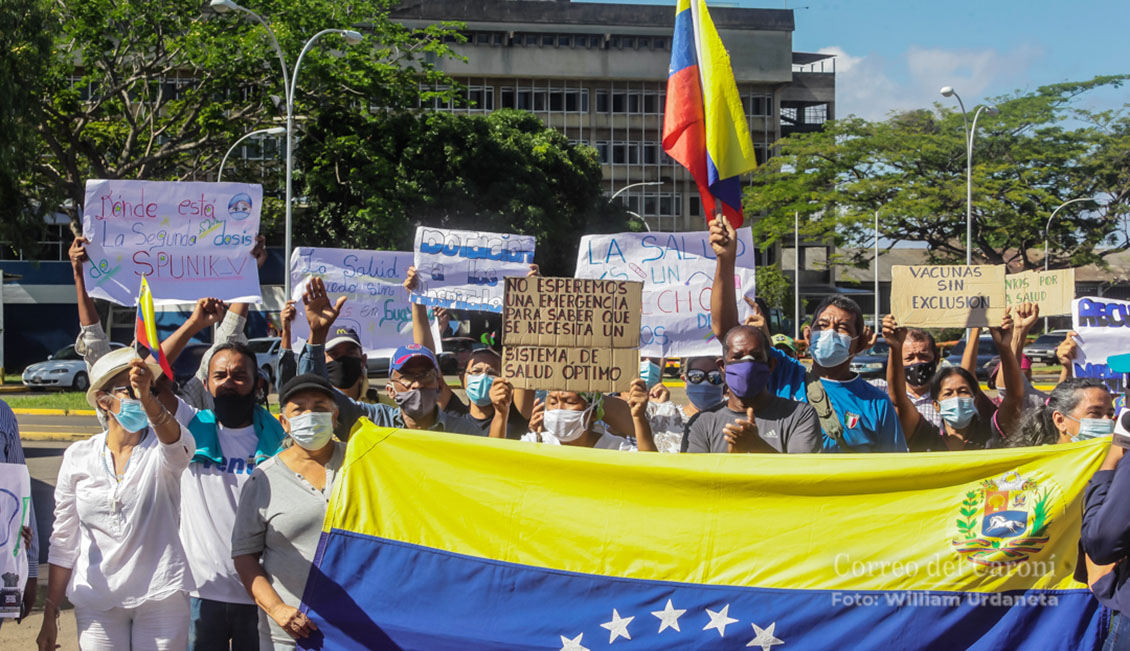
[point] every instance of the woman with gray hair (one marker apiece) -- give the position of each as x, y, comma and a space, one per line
115, 548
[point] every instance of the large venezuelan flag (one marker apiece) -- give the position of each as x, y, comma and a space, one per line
704, 127
437, 541
145, 332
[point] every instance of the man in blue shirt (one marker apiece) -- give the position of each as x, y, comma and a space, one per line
866, 416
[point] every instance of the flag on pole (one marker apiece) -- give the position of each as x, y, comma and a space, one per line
704, 126
442, 541
146, 332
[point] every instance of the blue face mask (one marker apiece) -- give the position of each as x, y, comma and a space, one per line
130, 415
704, 394
650, 373
478, 388
957, 412
829, 348
1092, 428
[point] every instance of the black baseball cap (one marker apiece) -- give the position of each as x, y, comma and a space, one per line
305, 382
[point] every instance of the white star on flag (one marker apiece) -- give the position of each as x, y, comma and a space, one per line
668, 617
618, 627
765, 638
573, 644
719, 620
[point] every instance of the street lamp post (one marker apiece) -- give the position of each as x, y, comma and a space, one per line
352, 37
273, 131
1047, 228
629, 187
948, 91
878, 327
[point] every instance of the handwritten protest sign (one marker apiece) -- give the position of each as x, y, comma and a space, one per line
377, 309
571, 334
947, 296
464, 269
1053, 291
190, 239
15, 502
677, 270
1102, 326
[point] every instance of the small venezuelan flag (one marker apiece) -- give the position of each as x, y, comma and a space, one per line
438, 541
146, 332
704, 126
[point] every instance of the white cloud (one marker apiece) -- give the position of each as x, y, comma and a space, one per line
872, 86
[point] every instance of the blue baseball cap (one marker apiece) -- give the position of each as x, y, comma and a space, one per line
405, 354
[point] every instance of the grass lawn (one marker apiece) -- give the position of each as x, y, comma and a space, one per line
70, 400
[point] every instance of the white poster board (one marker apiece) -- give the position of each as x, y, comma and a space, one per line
463, 270
15, 509
1103, 329
378, 307
677, 271
190, 239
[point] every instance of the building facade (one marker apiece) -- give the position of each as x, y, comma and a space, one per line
598, 73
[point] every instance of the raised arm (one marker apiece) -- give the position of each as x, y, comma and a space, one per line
723, 304
167, 428
1027, 314
421, 329
1008, 413
501, 395
207, 313
969, 357
896, 377
1065, 353
637, 403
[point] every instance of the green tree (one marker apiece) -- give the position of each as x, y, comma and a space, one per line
774, 287
1039, 152
371, 177
159, 90
25, 56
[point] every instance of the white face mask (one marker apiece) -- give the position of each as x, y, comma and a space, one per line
312, 430
565, 424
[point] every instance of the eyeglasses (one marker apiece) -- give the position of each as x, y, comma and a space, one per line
696, 377
406, 381
121, 390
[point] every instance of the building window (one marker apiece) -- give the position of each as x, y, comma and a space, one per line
695, 207
817, 114
564, 40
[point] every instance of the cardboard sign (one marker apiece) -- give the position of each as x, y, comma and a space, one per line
189, 239
677, 270
1053, 291
464, 269
1102, 326
948, 296
15, 505
377, 309
571, 334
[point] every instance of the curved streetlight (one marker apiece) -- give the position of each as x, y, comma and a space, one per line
273, 131
352, 37
948, 91
1047, 228
629, 187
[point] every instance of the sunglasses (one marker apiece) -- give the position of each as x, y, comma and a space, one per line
697, 376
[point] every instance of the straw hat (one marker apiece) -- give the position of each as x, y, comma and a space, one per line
110, 365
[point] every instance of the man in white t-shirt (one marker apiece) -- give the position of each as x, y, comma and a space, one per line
233, 436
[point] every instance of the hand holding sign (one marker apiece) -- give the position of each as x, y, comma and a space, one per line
1067, 349
77, 253
501, 394
892, 333
637, 399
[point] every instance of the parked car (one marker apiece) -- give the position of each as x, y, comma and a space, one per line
266, 351
986, 351
188, 362
872, 363
63, 369
1042, 351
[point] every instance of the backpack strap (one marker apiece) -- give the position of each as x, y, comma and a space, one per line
818, 398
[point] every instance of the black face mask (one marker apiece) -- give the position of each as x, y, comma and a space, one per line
345, 371
920, 374
234, 410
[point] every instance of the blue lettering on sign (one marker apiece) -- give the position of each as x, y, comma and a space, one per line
1094, 314
231, 466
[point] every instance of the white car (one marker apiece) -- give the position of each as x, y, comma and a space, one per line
64, 369
266, 351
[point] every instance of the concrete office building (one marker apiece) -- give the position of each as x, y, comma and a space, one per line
598, 72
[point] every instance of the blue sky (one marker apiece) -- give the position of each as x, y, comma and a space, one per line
896, 55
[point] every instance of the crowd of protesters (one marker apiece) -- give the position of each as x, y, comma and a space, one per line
192, 521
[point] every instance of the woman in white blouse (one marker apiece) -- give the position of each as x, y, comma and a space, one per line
115, 548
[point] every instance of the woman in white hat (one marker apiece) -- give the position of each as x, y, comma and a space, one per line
115, 548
